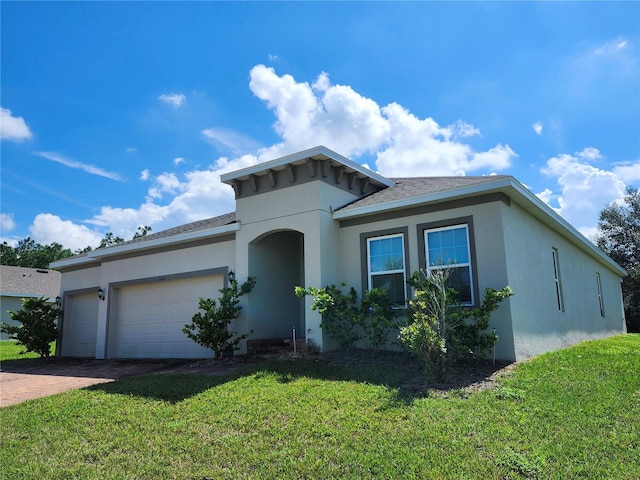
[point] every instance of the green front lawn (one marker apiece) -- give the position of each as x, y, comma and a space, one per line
10, 350
568, 414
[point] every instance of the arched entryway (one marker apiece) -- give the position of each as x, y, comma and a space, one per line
276, 260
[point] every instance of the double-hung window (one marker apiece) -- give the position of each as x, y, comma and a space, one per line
447, 248
386, 266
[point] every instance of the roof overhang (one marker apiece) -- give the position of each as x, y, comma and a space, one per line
95, 256
300, 158
517, 192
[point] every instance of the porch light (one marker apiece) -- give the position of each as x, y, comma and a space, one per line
232, 276
101, 294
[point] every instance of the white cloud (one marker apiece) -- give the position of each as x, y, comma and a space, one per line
537, 127
584, 189
144, 175
307, 115
629, 172
6, 222
13, 128
178, 160
173, 99
340, 118
131, 149
48, 228
229, 139
93, 170
612, 47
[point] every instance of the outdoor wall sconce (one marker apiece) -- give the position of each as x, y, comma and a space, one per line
232, 276
101, 294
58, 303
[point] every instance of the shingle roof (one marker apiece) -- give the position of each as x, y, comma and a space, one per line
196, 226
17, 281
418, 186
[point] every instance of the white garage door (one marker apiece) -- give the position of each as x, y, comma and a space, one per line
151, 317
80, 325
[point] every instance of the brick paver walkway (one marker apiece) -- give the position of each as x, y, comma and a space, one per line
33, 378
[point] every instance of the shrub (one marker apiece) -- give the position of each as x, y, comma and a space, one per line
347, 321
210, 328
439, 329
37, 327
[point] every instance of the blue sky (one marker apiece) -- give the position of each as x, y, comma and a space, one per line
121, 114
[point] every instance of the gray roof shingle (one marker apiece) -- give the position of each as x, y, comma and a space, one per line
16, 281
417, 186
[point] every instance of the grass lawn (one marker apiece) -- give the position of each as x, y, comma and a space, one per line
568, 414
10, 350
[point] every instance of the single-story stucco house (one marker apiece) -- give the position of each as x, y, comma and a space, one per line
17, 283
315, 218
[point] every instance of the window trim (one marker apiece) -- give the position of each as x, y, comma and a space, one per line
364, 255
473, 265
600, 295
557, 279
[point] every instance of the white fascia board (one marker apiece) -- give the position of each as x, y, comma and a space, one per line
422, 199
550, 217
508, 186
100, 253
295, 157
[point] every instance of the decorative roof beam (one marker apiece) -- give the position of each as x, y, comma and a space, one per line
237, 187
352, 180
291, 169
364, 183
254, 182
339, 174
313, 168
272, 177
325, 168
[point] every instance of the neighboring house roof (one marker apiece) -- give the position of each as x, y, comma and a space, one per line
29, 282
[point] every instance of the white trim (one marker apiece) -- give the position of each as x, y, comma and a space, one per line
299, 156
402, 270
99, 253
510, 187
452, 265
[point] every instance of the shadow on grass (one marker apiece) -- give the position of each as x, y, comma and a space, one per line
394, 370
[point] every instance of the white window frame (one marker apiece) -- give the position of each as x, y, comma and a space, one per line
600, 297
557, 279
402, 270
451, 265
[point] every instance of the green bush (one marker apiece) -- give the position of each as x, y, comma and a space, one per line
347, 321
37, 327
210, 328
442, 331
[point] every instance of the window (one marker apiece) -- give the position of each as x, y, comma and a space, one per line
558, 282
448, 248
386, 266
600, 298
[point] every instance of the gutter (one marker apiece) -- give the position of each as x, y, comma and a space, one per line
510, 187
100, 253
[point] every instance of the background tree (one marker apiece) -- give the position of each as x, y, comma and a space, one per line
28, 253
619, 237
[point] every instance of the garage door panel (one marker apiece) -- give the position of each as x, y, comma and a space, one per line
80, 325
151, 318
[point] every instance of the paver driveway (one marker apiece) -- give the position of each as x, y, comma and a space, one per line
32, 378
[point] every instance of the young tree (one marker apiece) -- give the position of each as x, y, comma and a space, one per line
210, 328
442, 331
38, 325
619, 237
